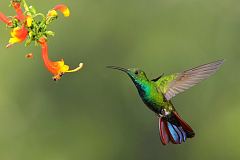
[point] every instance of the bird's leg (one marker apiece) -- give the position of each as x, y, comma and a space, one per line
164, 112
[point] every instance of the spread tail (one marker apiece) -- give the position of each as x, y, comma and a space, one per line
174, 129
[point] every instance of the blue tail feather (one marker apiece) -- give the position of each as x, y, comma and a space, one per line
173, 134
179, 133
183, 133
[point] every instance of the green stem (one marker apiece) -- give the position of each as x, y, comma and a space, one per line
39, 14
25, 5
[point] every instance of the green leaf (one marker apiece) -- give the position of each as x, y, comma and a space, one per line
50, 33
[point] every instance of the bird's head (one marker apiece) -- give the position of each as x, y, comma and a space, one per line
137, 75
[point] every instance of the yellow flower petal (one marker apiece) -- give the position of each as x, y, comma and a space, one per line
14, 40
14, 31
52, 13
64, 69
29, 21
66, 12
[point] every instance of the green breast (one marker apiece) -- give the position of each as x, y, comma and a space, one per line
151, 96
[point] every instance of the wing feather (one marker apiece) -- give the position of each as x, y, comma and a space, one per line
173, 84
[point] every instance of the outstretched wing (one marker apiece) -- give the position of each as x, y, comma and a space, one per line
176, 83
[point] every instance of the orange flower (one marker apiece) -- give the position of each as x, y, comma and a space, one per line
58, 68
18, 35
5, 19
62, 8
17, 6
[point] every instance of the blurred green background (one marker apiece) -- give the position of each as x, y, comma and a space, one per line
96, 114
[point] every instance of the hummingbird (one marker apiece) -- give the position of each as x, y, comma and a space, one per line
157, 94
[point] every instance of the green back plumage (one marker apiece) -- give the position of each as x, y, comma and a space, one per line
164, 82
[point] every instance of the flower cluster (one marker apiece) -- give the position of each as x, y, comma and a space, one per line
29, 26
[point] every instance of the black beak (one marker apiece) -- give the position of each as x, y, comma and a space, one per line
118, 68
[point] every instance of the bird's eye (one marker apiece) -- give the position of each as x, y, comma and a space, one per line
136, 72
